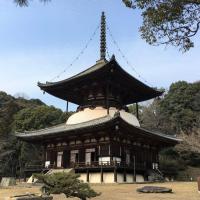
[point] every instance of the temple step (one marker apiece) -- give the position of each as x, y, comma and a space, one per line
52, 171
155, 175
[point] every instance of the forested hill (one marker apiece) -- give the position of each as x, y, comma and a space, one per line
9, 106
19, 114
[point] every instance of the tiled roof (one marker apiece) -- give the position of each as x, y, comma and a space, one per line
63, 128
135, 90
94, 68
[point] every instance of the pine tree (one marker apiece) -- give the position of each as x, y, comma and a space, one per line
66, 183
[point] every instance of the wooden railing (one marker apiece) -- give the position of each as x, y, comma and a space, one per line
95, 164
38, 167
108, 164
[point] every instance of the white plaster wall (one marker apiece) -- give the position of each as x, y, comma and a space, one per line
90, 114
139, 178
95, 177
129, 178
108, 177
120, 178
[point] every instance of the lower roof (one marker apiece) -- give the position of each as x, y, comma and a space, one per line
62, 129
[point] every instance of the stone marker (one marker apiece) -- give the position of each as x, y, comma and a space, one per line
7, 181
154, 189
198, 182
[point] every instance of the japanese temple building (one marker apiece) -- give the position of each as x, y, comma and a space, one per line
101, 141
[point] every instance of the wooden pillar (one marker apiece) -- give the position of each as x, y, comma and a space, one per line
137, 111
24, 176
55, 158
124, 174
101, 174
88, 178
115, 175
134, 169
44, 155
107, 98
198, 182
67, 107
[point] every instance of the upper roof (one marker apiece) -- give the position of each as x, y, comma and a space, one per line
63, 129
132, 89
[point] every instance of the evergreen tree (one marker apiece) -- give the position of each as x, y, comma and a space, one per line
66, 183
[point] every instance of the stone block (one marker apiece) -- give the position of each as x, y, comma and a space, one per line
154, 189
7, 181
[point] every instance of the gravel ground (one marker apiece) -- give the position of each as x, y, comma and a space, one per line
181, 191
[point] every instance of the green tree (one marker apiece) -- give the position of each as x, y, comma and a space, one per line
177, 112
133, 109
152, 118
173, 22
19, 114
181, 106
38, 118
66, 183
32, 118
171, 162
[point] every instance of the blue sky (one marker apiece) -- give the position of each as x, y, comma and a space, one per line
38, 42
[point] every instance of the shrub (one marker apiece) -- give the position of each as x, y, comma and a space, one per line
66, 183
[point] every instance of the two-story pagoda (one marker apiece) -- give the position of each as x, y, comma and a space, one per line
101, 140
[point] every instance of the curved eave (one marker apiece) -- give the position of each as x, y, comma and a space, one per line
158, 136
90, 70
138, 90
143, 91
63, 130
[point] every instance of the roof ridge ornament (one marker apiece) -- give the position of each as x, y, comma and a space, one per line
103, 37
113, 57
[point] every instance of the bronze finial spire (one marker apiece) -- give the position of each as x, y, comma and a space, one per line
103, 37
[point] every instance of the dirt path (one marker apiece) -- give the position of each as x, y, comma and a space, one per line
181, 191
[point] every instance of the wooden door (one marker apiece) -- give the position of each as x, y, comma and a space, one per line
59, 159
